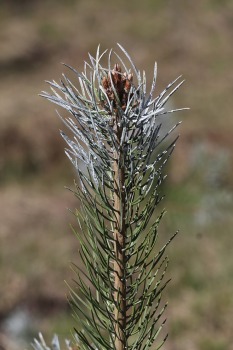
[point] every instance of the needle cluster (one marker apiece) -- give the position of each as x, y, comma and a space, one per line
119, 150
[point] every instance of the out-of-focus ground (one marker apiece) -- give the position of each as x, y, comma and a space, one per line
193, 38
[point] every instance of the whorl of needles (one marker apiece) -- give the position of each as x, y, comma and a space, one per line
119, 150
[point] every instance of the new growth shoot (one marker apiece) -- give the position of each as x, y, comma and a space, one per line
119, 150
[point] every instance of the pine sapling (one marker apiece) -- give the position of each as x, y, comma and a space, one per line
119, 149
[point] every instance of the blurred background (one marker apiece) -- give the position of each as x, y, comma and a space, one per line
193, 38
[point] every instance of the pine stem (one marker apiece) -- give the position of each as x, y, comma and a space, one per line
120, 240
